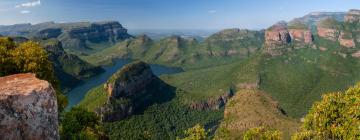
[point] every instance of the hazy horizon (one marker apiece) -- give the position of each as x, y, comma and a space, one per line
167, 15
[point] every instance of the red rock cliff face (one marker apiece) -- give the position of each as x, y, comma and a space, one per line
328, 33
28, 108
277, 35
301, 35
352, 16
346, 40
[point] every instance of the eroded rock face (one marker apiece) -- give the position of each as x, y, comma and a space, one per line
356, 54
129, 81
99, 32
346, 40
212, 103
28, 108
277, 35
352, 16
131, 90
328, 33
301, 35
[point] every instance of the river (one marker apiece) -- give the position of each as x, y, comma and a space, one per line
78, 93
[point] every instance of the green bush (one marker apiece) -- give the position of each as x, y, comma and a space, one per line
81, 124
28, 57
197, 132
337, 116
262, 133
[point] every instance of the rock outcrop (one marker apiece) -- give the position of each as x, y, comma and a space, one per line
212, 103
353, 16
277, 35
131, 90
72, 35
329, 29
69, 68
253, 108
346, 39
302, 35
313, 18
28, 108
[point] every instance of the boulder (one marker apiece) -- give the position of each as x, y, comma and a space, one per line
28, 108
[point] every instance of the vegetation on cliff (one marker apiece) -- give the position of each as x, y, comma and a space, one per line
336, 116
28, 57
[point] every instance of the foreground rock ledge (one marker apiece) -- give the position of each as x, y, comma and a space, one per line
28, 108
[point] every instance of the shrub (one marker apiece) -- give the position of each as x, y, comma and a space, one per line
337, 116
262, 133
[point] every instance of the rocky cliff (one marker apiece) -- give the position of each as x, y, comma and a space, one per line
353, 16
28, 108
131, 90
346, 39
283, 33
329, 29
212, 103
277, 35
72, 35
313, 18
253, 108
69, 68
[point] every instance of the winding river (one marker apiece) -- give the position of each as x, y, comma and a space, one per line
78, 93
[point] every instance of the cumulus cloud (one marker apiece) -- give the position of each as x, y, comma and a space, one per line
24, 12
212, 11
29, 4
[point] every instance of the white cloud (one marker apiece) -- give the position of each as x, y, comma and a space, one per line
29, 4
212, 11
25, 12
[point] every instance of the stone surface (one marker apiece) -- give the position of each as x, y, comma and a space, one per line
352, 16
277, 35
327, 33
301, 35
28, 108
72, 35
346, 39
131, 90
212, 103
356, 54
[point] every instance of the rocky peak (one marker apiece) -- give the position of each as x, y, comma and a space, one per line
329, 29
143, 39
277, 35
346, 39
131, 90
129, 80
352, 16
300, 32
28, 108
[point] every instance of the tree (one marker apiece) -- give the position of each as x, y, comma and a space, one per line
28, 57
197, 132
262, 133
336, 116
79, 123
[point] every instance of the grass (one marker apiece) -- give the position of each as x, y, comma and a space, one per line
253, 108
211, 82
94, 99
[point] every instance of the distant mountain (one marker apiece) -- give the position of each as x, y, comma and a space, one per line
72, 35
219, 48
313, 18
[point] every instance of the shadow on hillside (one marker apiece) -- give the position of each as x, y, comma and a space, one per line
158, 92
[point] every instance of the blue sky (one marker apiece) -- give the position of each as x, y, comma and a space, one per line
168, 14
